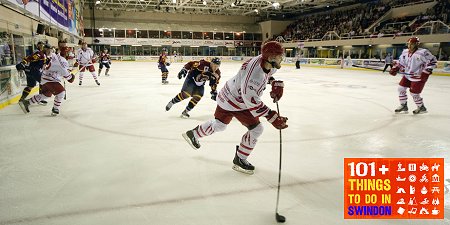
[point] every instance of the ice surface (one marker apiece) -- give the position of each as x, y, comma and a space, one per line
114, 156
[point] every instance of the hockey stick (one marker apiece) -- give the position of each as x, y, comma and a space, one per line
279, 218
73, 74
65, 91
377, 69
362, 67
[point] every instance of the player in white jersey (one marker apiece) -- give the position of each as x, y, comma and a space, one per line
241, 98
54, 72
417, 64
85, 60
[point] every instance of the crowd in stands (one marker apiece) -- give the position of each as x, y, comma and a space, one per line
355, 21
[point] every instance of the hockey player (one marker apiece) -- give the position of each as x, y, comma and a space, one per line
105, 60
162, 65
417, 64
197, 72
33, 65
85, 60
241, 98
52, 75
388, 61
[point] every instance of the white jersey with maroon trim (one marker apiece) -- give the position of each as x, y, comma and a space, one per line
56, 69
244, 90
414, 64
85, 57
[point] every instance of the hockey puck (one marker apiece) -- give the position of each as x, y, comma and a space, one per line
280, 218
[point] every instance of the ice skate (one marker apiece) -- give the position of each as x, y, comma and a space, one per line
242, 165
55, 112
403, 108
24, 106
169, 105
81, 82
185, 114
420, 110
43, 103
191, 140
98, 83
164, 82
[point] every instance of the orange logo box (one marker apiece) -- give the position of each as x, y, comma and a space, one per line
394, 188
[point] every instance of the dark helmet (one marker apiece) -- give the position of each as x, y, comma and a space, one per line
216, 60
47, 46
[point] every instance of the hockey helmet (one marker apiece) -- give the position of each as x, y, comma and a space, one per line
216, 60
415, 40
271, 48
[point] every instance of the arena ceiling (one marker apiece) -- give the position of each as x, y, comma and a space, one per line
269, 9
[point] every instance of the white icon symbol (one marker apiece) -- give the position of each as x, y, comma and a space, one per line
400, 210
424, 190
424, 211
435, 189
435, 178
435, 167
435, 201
400, 179
401, 201
425, 201
424, 179
424, 167
401, 191
434, 211
412, 211
412, 201
412, 178
412, 167
412, 190
383, 169
400, 169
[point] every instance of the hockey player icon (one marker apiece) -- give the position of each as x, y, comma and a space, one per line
162, 65
197, 73
52, 75
417, 64
241, 98
85, 60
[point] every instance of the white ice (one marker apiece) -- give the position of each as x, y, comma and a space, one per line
114, 156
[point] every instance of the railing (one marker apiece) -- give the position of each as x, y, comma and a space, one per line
430, 27
411, 3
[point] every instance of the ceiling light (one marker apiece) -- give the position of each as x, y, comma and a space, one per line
276, 5
233, 5
97, 2
174, 1
204, 2
256, 10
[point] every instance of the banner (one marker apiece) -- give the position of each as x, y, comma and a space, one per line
56, 12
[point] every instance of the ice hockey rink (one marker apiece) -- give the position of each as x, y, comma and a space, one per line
115, 156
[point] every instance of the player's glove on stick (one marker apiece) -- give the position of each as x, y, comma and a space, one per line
277, 90
276, 120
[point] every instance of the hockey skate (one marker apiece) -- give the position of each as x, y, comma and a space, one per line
43, 103
420, 110
191, 140
242, 165
169, 105
98, 83
403, 108
165, 82
81, 82
24, 106
185, 114
55, 112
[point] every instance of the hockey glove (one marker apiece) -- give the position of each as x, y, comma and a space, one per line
277, 90
167, 63
72, 78
75, 64
276, 120
213, 95
182, 73
426, 72
395, 68
20, 66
